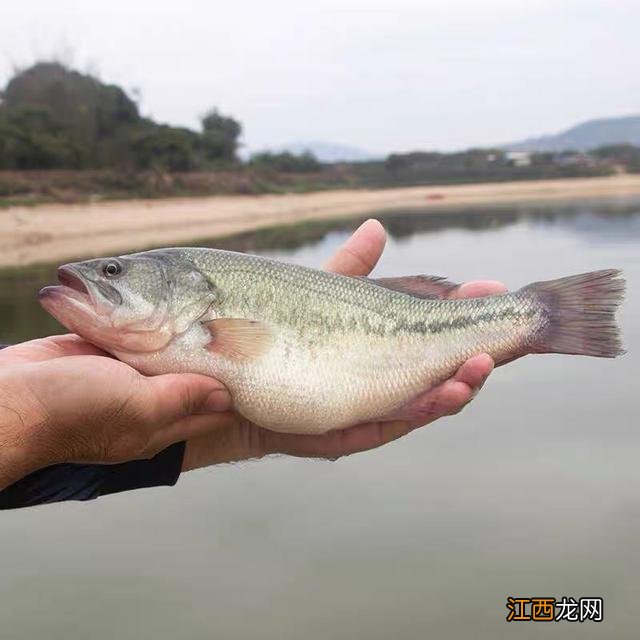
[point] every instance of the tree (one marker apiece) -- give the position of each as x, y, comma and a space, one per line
32, 138
86, 108
220, 135
165, 147
54, 117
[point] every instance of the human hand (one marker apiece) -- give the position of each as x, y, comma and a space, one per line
64, 400
242, 440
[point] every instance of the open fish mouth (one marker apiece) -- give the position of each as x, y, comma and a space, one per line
67, 277
72, 287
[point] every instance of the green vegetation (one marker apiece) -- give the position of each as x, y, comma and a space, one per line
66, 136
625, 156
54, 118
486, 165
286, 162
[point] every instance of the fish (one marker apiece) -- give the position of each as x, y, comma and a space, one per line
307, 351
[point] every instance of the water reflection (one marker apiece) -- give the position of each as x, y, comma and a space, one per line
22, 318
591, 217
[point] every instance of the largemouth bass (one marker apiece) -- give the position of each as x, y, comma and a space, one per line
306, 351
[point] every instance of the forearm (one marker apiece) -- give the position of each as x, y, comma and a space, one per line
28, 476
18, 456
34, 468
26, 442
10, 455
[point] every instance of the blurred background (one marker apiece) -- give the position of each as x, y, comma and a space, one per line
494, 139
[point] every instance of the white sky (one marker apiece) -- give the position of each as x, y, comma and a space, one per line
378, 74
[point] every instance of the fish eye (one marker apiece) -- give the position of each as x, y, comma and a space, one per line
112, 269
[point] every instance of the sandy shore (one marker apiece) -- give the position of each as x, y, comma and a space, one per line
51, 233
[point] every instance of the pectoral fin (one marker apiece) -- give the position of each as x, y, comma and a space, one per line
419, 286
238, 338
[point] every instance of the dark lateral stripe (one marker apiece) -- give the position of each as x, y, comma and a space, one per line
463, 322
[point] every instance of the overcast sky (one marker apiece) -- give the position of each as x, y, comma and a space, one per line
378, 74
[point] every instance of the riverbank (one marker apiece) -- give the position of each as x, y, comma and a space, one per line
50, 233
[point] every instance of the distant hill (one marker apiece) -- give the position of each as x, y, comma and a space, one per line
329, 152
585, 136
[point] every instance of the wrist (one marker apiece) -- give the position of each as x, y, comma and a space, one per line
21, 452
15, 460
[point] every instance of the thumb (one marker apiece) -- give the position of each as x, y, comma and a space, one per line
177, 395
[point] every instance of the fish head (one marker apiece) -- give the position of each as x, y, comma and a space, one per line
136, 303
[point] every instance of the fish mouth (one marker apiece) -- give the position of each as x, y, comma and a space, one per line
68, 277
72, 287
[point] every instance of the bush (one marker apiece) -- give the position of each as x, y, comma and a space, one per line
286, 162
219, 139
32, 138
164, 147
625, 155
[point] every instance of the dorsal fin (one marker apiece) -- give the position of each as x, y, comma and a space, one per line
423, 286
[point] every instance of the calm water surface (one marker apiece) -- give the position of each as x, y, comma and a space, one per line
534, 490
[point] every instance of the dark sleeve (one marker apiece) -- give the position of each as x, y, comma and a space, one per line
62, 482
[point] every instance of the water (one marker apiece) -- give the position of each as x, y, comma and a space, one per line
531, 491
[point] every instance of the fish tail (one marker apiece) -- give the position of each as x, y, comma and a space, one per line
580, 314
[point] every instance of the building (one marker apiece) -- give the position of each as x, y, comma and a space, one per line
518, 158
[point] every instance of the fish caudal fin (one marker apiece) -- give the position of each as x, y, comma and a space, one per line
581, 314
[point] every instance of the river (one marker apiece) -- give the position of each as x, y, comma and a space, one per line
532, 491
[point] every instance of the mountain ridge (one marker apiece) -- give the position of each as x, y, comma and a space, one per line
328, 152
585, 136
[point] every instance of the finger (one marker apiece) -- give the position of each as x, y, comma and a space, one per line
194, 428
450, 396
361, 252
455, 394
365, 437
71, 344
475, 371
238, 440
478, 289
49, 348
445, 399
178, 395
330, 445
